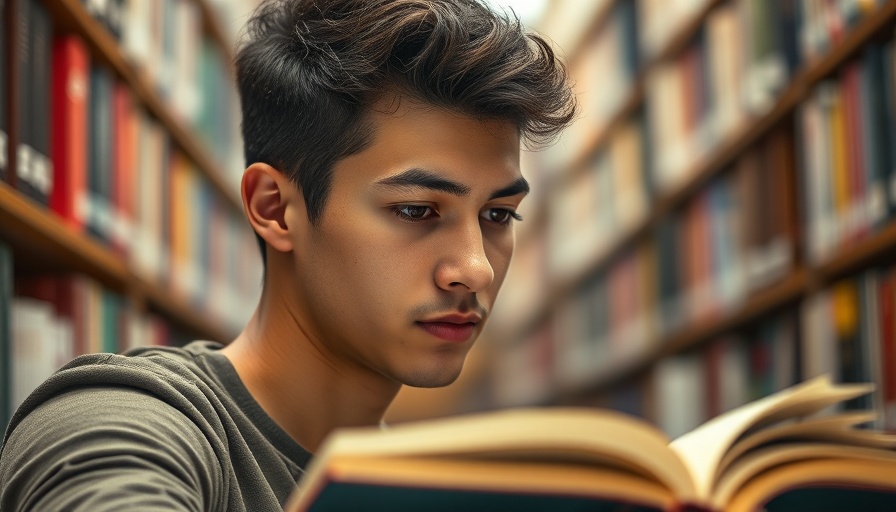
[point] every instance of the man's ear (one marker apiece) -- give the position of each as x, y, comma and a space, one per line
267, 194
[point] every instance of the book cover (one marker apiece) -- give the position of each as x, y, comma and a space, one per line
39, 186
70, 100
99, 155
774, 454
21, 46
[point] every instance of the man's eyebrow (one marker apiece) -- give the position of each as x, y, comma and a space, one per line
420, 178
520, 186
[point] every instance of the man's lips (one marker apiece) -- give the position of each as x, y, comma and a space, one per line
451, 327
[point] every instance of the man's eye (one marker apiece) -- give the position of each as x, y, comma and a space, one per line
501, 216
413, 213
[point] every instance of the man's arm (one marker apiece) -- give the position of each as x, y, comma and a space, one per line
102, 449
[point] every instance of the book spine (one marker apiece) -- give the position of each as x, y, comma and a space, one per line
99, 154
874, 126
41, 185
23, 59
71, 90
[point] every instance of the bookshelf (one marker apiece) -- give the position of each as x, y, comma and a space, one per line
538, 338
167, 256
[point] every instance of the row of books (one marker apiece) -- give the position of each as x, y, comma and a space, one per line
736, 235
600, 203
743, 223
823, 23
847, 126
733, 70
847, 331
731, 371
119, 178
47, 319
615, 49
200, 93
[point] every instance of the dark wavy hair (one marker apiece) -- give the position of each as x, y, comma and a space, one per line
307, 70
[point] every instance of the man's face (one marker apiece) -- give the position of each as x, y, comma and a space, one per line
402, 270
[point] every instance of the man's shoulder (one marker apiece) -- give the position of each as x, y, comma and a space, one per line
173, 375
142, 366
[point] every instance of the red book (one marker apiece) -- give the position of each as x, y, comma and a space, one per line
70, 93
887, 319
123, 165
853, 131
67, 294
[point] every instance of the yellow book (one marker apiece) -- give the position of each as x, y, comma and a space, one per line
777, 453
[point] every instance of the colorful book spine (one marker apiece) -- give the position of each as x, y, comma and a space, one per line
70, 100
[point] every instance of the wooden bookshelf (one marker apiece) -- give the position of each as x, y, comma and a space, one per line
876, 248
47, 242
44, 243
718, 160
804, 279
71, 16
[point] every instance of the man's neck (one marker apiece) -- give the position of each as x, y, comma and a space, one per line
302, 389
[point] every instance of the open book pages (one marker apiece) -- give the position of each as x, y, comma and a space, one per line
602, 455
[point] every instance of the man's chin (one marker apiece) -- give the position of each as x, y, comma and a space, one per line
435, 378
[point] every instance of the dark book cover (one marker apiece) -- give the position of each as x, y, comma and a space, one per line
4, 91
41, 182
99, 153
889, 122
23, 54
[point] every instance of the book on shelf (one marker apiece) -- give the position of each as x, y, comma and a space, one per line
34, 171
775, 453
70, 93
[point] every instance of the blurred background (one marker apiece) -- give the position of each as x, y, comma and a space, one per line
716, 225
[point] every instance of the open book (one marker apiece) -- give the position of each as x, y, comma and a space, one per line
787, 451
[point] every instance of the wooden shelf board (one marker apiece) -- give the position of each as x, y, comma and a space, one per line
726, 153
46, 241
72, 16
49, 245
637, 92
876, 248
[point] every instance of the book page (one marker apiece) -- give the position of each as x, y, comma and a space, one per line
581, 436
868, 470
703, 448
837, 429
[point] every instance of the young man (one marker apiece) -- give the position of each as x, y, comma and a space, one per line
382, 143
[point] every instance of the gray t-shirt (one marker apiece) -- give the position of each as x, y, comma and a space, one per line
154, 429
